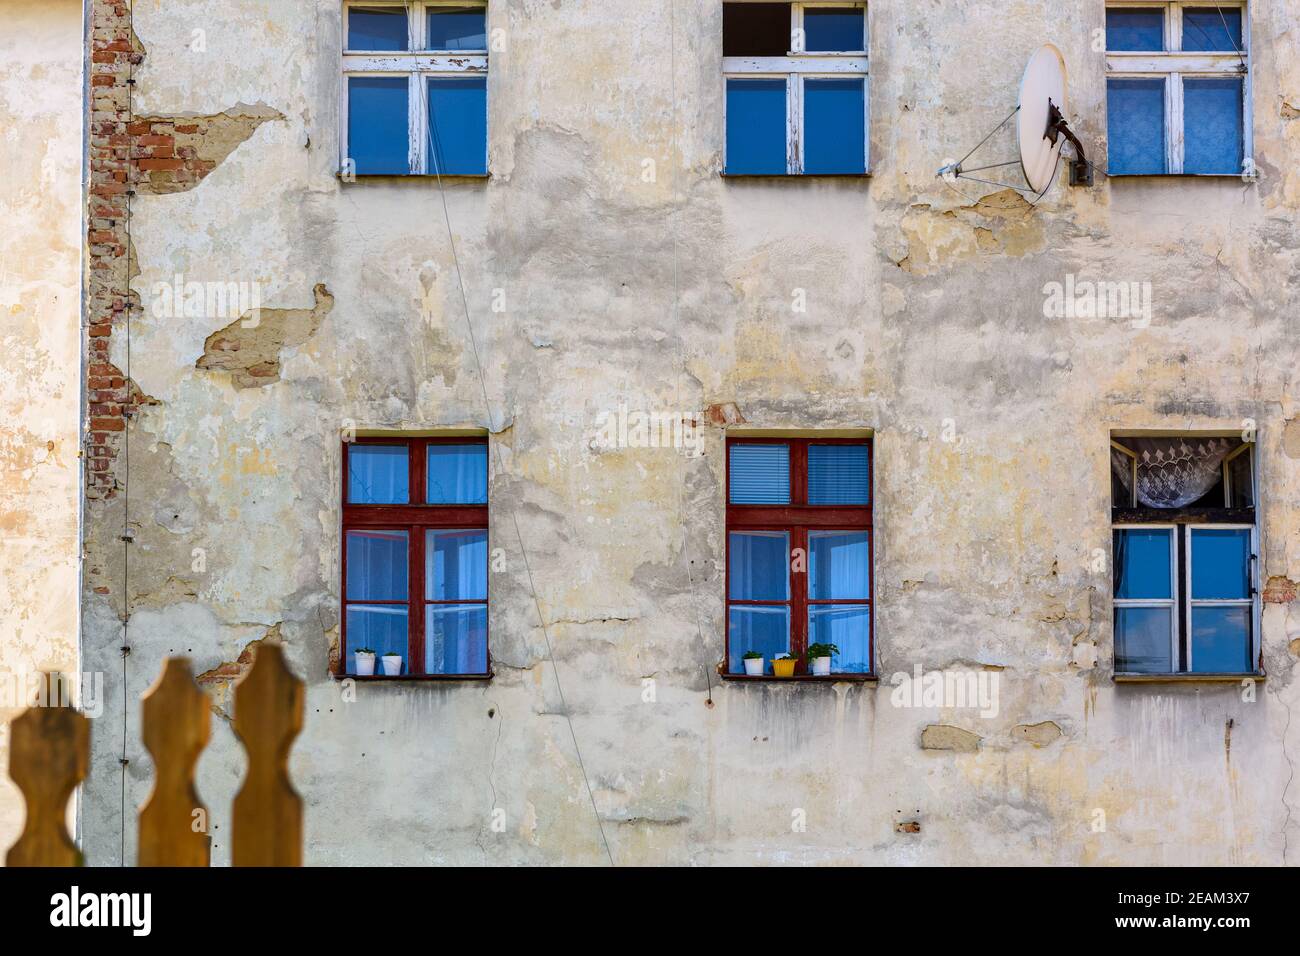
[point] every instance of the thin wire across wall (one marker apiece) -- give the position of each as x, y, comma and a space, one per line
123, 761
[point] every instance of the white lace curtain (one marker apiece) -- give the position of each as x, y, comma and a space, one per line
1172, 471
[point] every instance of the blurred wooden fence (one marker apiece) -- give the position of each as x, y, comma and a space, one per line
49, 754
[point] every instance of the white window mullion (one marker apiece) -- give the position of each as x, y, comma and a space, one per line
798, 42
415, 123
866, 123
415, 26
794, 124
1174, 121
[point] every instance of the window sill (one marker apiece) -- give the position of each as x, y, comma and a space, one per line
803, 679
1236, 176
399, 177
412, 678
1185, 678
795, 176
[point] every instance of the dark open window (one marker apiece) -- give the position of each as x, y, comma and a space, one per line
1184, 548
415, 554
799, 550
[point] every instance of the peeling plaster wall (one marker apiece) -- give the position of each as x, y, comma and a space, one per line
924, 318
40, 276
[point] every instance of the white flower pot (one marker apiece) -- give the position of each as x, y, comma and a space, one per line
754, 666
365, 665
821, 666
392, 665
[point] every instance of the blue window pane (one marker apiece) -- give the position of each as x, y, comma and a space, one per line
1211, 29
838, 475
1142, 563
457, 475
760, 474
1220, 564
756, 130
839, 565
455, 565
378, 475
382, 628
457, 28
455, 639
1212, 140
378, 141
377, 566
458, 126
834, 113
1221, 641
1139, 29
829, 29
1142, 640
762, 629
377, 28
759, 565
1135, 126
848, 627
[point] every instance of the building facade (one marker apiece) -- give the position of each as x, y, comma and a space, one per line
512, 338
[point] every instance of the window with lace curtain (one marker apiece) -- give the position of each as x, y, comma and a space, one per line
1184, 555
415, 556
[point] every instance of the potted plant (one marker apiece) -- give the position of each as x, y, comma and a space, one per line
753, 664
365, 661
819, 658
783, 665
392, 664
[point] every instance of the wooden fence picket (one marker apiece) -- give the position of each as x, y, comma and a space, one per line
267, 814
176, 726
49, 753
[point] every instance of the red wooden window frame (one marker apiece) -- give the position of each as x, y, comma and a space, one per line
797, 519
415, 518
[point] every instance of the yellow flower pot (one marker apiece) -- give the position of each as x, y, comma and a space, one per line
784, 667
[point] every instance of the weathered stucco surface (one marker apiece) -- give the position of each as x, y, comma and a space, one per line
40, 276
924, 322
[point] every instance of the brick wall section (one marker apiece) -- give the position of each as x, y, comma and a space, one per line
113, 53
145, 154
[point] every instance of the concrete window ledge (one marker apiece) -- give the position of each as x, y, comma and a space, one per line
796, 177
414, 678
447, 178
1185, 678
804, 679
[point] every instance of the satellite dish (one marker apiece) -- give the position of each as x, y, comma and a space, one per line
1041, 130
1041, 88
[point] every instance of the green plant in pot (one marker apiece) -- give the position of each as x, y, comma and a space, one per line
819, 658
783, 665
753, 664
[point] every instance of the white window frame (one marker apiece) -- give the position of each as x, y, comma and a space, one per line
417, 65
1252, 600
1172, 602
1173, 65
798, 65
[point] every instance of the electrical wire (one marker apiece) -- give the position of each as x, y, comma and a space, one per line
123, 761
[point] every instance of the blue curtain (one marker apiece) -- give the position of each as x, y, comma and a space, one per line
457, 474
378, 475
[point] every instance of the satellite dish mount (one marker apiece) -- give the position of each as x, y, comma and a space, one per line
1080, 168
1041, 131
